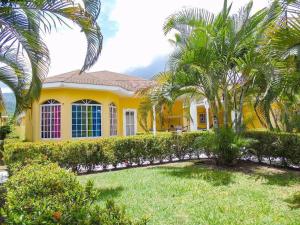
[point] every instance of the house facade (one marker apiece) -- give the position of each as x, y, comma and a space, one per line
101, 104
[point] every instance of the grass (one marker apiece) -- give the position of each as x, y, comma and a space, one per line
197, 193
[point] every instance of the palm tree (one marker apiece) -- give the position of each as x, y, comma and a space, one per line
209, 51
279, 84
24, 56
158, 95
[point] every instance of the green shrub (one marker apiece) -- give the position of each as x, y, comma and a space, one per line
48, 194
205, 143
228, 146
69, 154
86, 154
271, 145
225, 145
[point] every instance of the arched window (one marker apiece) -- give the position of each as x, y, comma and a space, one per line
113, 119
86, 119
51, 119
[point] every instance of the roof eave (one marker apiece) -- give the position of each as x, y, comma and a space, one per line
115, 89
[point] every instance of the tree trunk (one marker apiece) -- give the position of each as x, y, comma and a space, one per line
258, 115
240, 109
226, 108
215, 114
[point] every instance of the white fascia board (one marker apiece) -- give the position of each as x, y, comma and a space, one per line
115, 89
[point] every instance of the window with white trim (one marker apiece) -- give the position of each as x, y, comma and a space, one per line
113, 119
50, 119
86, 119
130, 122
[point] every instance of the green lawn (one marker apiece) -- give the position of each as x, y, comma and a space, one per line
196, 193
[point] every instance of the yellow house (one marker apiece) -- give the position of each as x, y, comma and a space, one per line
100, 104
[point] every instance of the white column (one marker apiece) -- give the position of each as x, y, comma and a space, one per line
207, 116
206, 105
194, 119
154, 120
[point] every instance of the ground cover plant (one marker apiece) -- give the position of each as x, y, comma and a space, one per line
201, 193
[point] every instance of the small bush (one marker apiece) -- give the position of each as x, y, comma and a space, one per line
230, 146
223, 144
48, 194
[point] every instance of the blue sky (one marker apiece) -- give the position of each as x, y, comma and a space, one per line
134, 42
108, 26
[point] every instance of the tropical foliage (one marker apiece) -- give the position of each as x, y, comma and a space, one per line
234, 59
224, 145
279, 83
24, 55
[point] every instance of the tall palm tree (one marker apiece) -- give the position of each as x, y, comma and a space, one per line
24, 56
208, 49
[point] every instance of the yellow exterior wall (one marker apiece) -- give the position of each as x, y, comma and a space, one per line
66, 97
173, 116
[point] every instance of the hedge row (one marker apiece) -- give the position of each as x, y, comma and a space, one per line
275, 146
87, 154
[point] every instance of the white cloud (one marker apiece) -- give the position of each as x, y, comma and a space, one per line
139, 39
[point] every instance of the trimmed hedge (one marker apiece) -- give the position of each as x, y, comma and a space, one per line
87, 154
81, 155
274, 146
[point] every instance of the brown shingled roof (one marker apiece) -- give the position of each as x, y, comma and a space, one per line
106, 78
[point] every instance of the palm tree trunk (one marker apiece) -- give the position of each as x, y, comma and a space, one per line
214, 110
258, 114
275, 119
226, 108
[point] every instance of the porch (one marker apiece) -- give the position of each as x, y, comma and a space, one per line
200, 118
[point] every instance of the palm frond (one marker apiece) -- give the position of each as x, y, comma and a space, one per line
21, 25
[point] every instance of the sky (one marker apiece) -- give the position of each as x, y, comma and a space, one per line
134, 42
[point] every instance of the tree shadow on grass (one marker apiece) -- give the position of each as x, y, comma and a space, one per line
215, 177
294, 201
270, 175
279, 179
110, 193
